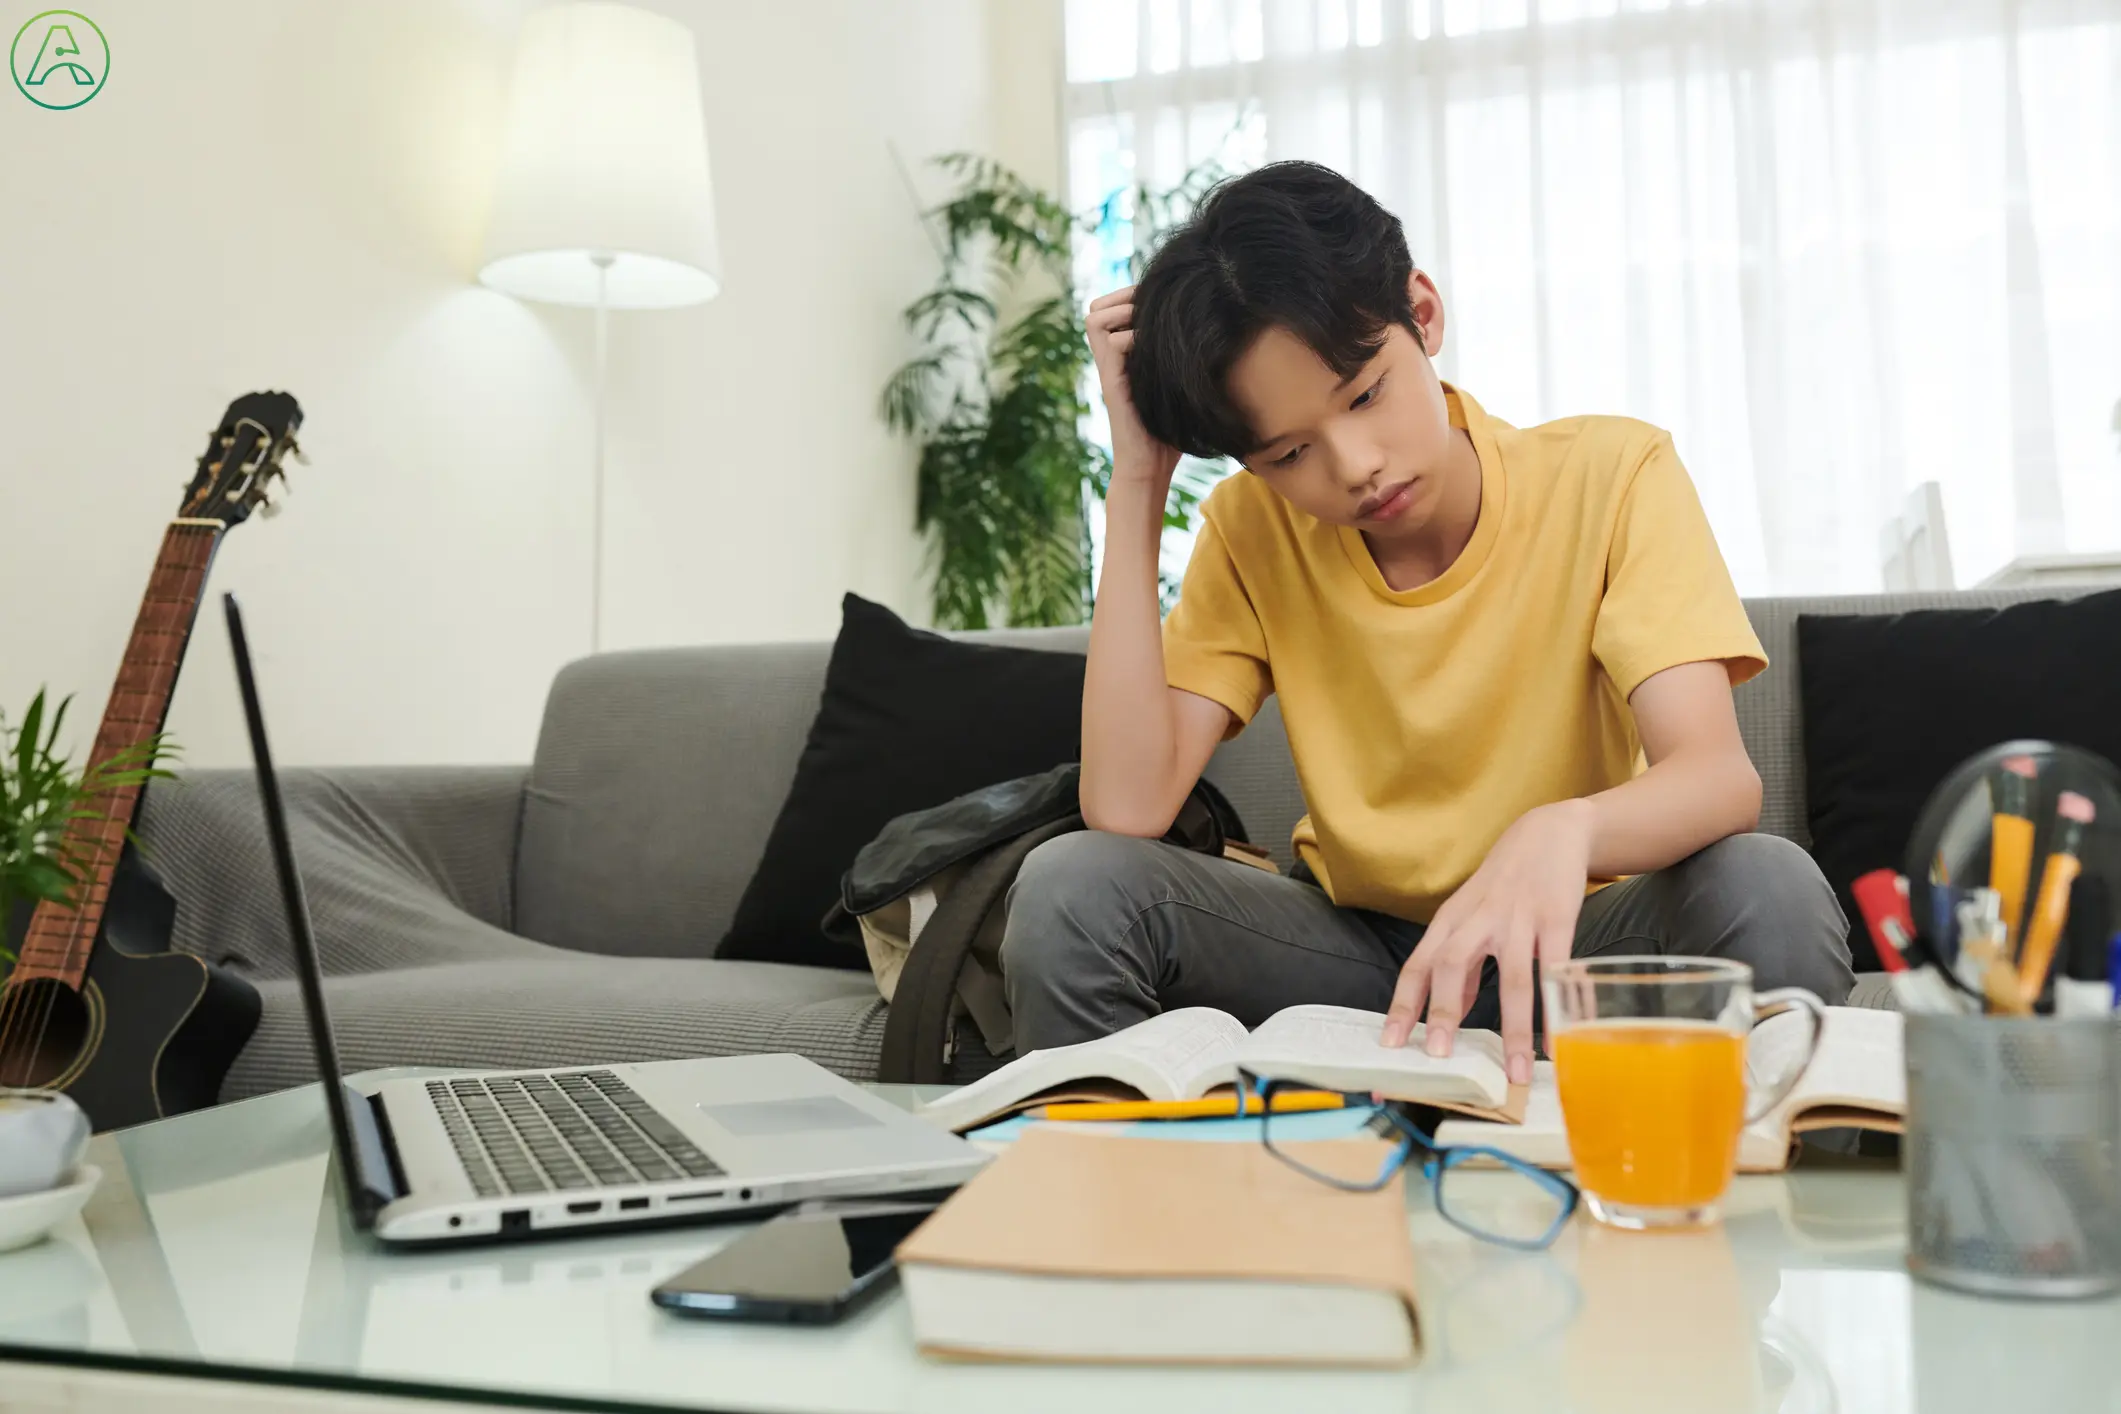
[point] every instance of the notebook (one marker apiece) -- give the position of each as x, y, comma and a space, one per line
1185, 1054
1089, 1248
1856, 1081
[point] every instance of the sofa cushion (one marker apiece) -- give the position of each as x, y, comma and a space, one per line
582, 1010
909, 720
1768, 715
1893, 702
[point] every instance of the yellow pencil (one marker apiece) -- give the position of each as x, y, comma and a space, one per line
1213, 1107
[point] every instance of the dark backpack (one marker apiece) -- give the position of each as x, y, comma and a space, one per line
974, 845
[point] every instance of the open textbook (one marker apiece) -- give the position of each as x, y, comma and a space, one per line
1856, 1081
1185, 1054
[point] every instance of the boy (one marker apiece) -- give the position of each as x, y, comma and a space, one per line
1475, 632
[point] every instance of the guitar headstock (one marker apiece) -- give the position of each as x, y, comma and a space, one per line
243, 456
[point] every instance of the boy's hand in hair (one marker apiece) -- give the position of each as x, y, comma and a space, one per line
1136, 456
1144, 741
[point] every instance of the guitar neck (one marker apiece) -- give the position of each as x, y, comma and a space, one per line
60, 936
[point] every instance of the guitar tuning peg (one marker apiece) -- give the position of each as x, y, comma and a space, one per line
294, 449
268, 509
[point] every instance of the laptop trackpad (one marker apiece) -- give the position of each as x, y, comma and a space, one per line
808, 1115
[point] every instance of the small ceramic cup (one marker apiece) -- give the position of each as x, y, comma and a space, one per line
42, 1137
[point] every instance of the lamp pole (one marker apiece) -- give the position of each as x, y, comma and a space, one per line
603, 261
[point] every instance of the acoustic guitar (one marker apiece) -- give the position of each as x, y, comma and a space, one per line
97, 1005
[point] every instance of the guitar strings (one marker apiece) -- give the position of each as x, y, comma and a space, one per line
179, 541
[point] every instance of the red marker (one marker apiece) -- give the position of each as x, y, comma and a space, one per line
1882, 895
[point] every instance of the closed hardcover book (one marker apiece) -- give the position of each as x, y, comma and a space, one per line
1082, 1247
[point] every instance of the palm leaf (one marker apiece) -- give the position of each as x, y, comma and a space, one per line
908, 400
927, 315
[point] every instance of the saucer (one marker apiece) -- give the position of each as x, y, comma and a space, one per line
30, 1216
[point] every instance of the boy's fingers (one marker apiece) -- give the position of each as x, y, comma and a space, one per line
1122, 340
1447, 989
1114, 317
1123, 295
1516, 969
1407, 997
1416, 977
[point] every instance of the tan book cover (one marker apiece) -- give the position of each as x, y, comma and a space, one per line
1223, 1222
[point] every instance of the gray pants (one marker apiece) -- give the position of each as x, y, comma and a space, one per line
1105, 931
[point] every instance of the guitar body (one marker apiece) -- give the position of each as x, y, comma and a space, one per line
149, 1033
95, 1004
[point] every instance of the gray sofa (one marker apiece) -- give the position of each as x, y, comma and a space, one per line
563, 912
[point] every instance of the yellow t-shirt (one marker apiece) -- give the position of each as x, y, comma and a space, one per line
1425, 721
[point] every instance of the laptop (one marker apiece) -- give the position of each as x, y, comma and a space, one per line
485, 1155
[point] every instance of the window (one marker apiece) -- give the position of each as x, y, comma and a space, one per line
1839, 250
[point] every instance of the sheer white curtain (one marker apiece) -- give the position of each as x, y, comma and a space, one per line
1838, 247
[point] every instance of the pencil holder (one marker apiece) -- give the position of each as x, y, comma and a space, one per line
2013, 1154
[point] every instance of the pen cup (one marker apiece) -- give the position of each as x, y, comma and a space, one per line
2013, 1154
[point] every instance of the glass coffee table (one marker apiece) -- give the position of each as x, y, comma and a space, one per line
216, 1248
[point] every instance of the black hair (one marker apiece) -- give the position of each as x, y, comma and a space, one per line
1292, 244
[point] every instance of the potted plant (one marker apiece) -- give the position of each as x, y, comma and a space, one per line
43, 800
998, 401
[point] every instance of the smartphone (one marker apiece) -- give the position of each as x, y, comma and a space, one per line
812, 1264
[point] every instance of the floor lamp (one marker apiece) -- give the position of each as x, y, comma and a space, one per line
604, 198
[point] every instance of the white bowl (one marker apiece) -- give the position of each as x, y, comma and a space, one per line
26, 1218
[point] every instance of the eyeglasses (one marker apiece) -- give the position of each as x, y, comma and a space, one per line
1481, 1191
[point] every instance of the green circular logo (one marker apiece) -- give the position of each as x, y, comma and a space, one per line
59, 59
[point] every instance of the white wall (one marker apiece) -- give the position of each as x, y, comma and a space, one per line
291, 193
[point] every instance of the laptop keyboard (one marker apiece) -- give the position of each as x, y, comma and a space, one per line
577, 1129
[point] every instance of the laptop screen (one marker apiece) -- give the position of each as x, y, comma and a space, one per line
363, 1161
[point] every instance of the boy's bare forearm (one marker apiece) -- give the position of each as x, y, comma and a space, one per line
1129, 741
1684, 803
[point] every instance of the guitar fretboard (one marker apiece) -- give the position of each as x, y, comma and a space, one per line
60, 936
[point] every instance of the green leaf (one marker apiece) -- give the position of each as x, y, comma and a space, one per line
927, 315
909, 400
48, 880
26, 742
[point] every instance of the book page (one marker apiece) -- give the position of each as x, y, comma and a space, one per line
1858, 1066
1541, 1138
1156, 1057
1339, 1048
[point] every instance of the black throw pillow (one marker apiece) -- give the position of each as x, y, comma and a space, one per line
909, 720
1892, 702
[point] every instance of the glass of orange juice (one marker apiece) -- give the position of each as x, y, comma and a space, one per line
1649, 1053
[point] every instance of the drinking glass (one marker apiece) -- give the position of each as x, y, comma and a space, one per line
1650, 1055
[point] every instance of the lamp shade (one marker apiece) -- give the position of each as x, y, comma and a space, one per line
605, 154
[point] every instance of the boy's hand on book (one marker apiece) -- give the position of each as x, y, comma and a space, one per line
1520, 906
1135, 454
